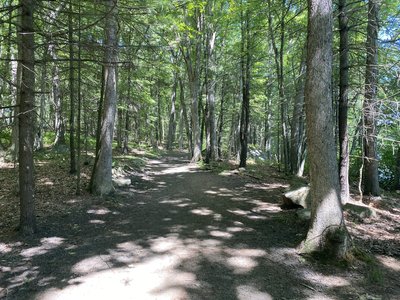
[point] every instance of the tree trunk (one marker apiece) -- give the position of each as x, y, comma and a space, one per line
185, 114
245, 70
26, 48
343, 103
397, 177
371, 182
221, 120
102, 172
327, 230
72, 149
211, 135
172, 116
297, 130
59, 123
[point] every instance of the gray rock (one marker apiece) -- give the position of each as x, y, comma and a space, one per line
297, 198
122, 181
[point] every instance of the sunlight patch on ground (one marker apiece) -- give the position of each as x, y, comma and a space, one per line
99, 211
202, 211
4, 248
326, 280
389, 262
221, 234
247, 292
97, 222
47, 244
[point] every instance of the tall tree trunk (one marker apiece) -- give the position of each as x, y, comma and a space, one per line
102, 172
245, 70
297, 129
59, 123
221, 120
172, 115
79, 91
371, 182
327, 230
185, 114
211, 135
27, 221
72, 150
343, 102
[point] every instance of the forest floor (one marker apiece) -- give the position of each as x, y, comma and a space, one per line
173, 230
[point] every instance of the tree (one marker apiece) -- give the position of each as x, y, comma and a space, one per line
343, 102
245, 57
101, 182
26, 118
370, 106
327, 230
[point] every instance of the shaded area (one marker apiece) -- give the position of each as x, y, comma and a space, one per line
176, 232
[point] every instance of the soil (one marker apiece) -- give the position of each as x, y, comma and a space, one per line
178, 231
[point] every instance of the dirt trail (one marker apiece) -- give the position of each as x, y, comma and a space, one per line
177, 232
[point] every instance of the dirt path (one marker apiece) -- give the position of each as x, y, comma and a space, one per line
176, 232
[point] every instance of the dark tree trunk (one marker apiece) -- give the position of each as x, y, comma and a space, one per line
371, 182
172, 115
245, 70
72, 149
327, 230
27, 221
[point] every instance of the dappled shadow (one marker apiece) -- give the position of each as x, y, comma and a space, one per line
175, 232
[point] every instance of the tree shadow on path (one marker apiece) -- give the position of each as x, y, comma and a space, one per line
176, 233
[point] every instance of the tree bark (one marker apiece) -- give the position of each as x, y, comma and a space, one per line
72, 150
27, 222
297, 129
327, 230
211, 135
245, 72
371, 182
102, 174
172, 115
343, 102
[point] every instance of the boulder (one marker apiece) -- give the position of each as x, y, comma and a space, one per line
360, 210
122, 181
298, 198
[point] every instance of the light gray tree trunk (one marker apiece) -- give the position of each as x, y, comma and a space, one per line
343, 102
102, 173
27, 221
211, 134
327, 230
59, 124
370, 106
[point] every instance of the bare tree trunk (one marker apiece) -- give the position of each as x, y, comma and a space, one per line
327, 230
27, 221
245, 69
172, 115
221, 120
59, 123
297, 130
211, 135
371, 182
185, 114
72, 150
343, 102
102, 172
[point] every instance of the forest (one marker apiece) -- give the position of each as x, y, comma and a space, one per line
199, 149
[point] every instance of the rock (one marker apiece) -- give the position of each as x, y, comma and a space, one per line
122, 181
299, 198
360, 210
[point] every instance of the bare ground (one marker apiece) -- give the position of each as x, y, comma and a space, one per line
178, 232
